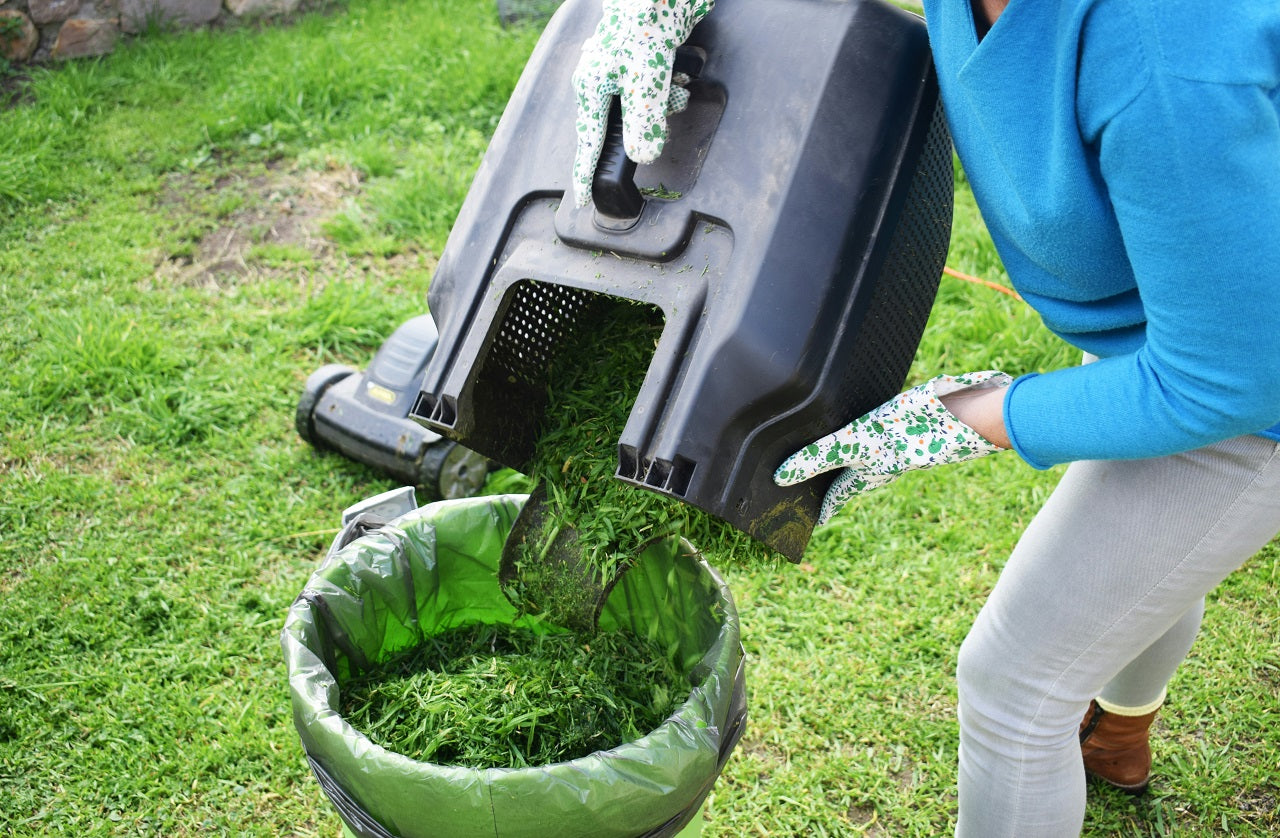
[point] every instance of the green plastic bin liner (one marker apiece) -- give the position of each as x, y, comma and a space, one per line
435, 568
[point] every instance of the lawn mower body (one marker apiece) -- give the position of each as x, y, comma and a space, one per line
792, 233
364, 417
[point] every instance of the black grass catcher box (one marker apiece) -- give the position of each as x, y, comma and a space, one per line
791, 235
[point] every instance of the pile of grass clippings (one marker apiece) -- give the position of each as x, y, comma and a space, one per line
501, 697
498, 697
593, 383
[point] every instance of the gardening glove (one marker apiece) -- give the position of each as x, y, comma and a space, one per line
631, 56
910, 431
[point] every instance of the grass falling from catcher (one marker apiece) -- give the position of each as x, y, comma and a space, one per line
502, 697
592, 385
489, 696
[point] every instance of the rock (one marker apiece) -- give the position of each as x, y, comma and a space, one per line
136, 15
80, 37
52, 11
261, 8
18, 35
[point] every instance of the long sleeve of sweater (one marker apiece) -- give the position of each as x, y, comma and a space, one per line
1146, 223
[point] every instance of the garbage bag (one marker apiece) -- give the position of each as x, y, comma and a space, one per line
435, 569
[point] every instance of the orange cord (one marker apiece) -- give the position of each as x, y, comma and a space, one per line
995, 286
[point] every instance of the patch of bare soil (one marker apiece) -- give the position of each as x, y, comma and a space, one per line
1261, 803
14, 89
240, 227
867, 821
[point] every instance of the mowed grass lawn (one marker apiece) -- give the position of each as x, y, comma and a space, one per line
191, 226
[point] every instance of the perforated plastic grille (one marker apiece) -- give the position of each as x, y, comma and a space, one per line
905, 290
538, 319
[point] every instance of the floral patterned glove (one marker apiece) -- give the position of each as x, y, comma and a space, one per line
631, 55
910, 431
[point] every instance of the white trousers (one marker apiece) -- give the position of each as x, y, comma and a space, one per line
1102, 596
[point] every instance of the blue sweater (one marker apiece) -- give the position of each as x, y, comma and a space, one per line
1125, 155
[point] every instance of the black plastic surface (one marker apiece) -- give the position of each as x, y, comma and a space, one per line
793, 233
613, 189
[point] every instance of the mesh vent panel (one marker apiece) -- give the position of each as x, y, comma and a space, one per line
905, 290
538, 319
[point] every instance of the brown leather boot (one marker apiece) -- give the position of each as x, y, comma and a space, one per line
1116, 748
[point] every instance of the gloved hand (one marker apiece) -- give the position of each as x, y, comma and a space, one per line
910, 431
631, 56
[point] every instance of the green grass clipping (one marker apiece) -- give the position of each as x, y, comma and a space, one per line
600, 522
501, 697
504, 697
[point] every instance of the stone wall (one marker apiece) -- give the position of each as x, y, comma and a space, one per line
43, 30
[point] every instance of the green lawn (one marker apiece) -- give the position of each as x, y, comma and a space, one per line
192, 225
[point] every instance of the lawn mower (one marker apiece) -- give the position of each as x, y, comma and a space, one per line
364, 416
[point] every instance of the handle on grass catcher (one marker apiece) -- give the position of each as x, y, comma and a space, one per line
613, 188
